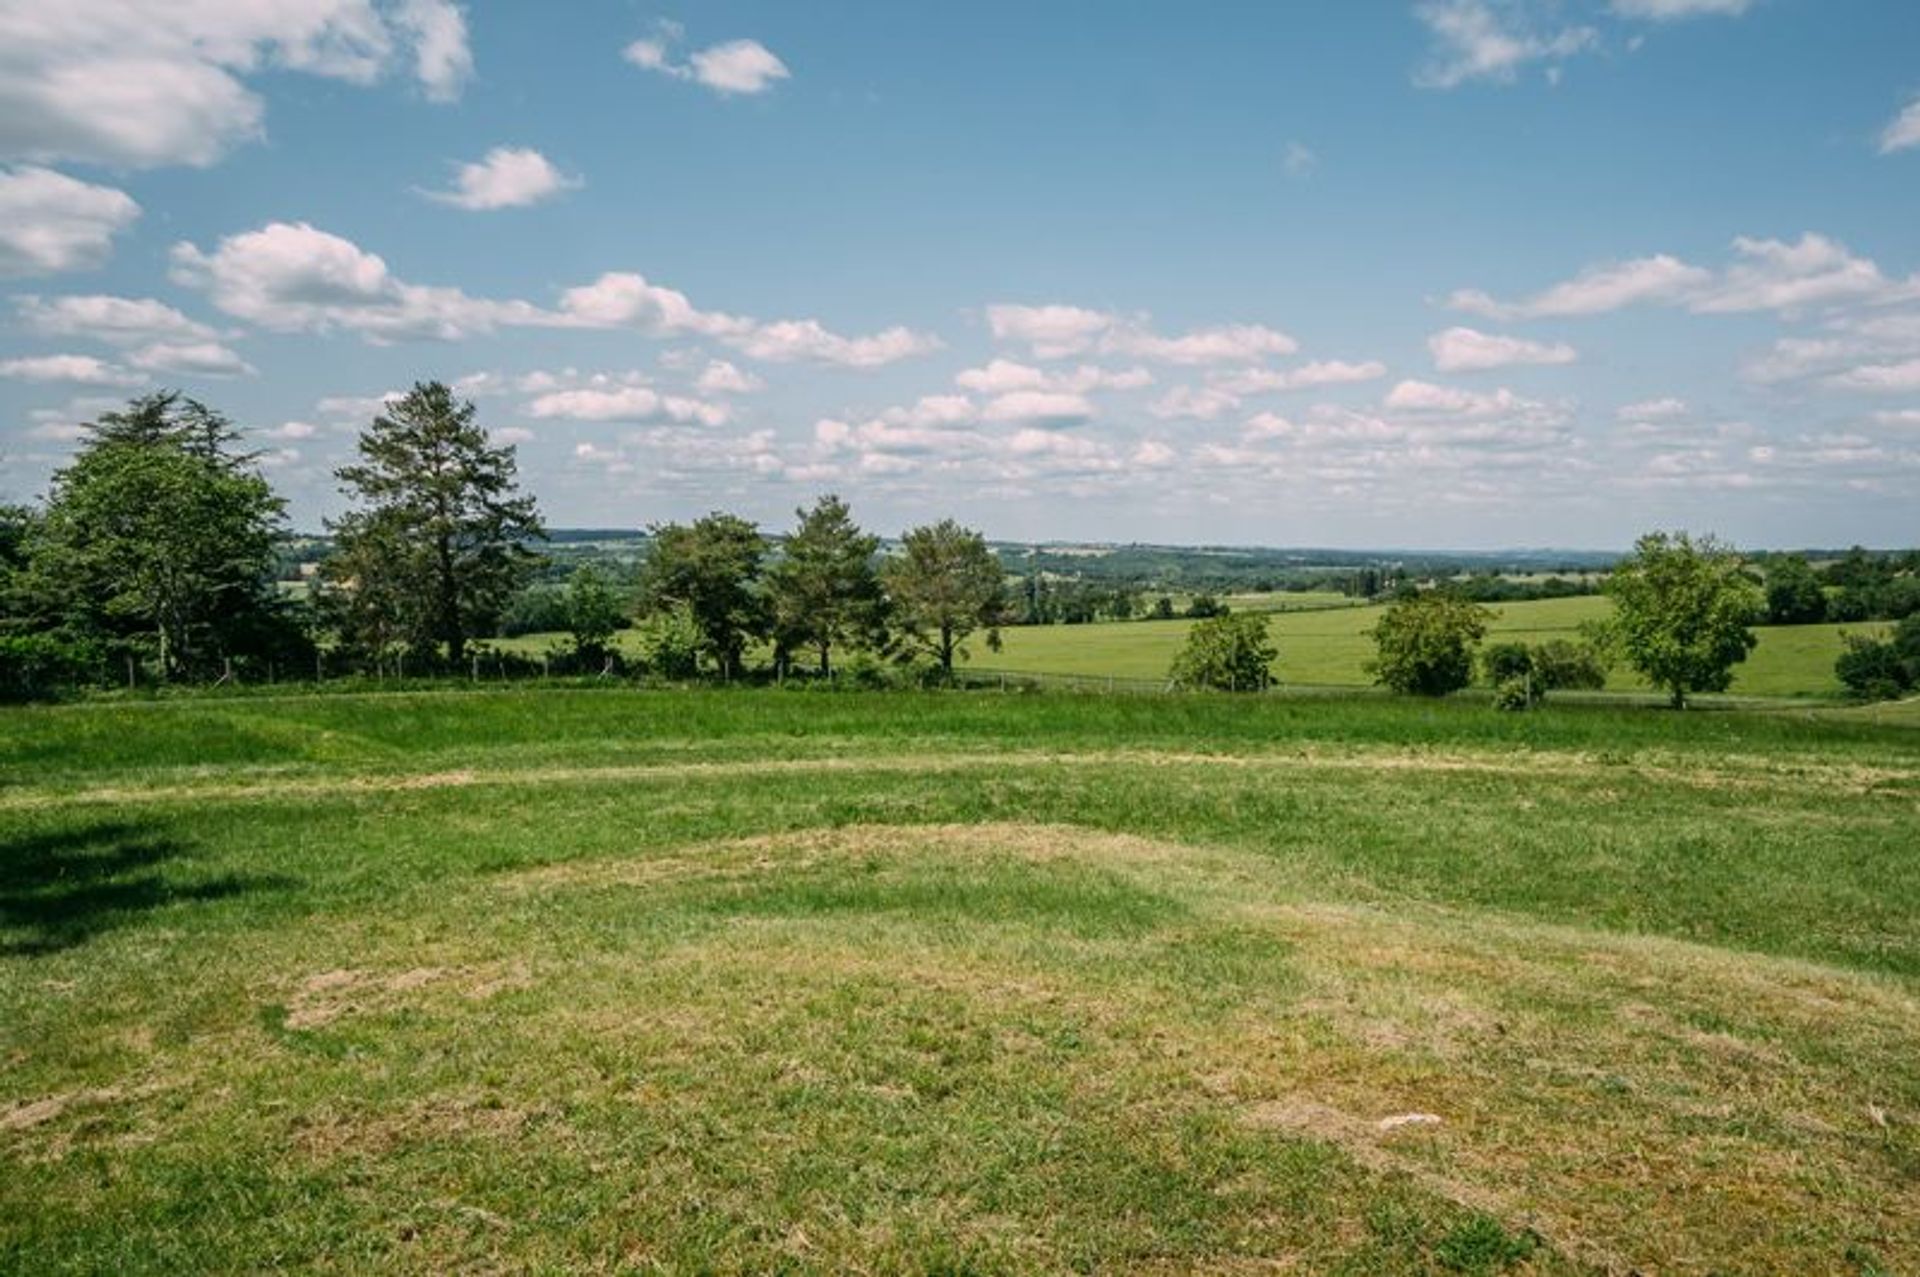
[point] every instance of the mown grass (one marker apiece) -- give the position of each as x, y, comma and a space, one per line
711, 981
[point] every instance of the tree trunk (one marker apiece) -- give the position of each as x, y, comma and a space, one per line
450, 628
826, 669
1678, 697
946, 650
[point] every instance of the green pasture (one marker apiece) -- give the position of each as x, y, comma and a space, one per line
799, 981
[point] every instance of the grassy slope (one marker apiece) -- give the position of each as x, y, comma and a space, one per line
629, 980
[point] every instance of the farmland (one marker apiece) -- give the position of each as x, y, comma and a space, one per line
699, 980
1324, 642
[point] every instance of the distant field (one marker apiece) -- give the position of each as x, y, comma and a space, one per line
1332, 648
1327, 645
754, 981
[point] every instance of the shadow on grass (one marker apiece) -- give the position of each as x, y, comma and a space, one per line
59, 890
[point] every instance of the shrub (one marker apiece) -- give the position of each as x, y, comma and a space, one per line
1233, 653
40, 667
670, 643
1565, 665
1882, 669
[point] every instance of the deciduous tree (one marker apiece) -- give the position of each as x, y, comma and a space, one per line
1681, 611
1424, 643
1233, 653
710, 567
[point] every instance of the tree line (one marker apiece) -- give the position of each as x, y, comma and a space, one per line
156, 548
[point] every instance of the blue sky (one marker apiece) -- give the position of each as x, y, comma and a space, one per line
1437, 273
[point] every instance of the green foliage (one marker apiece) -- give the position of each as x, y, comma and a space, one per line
1205, 605
1529, 671
158, 532
669, 641
1232, 653
945, 584
541, 608
1794, 593
41, 667
1882, 668
1424, 643
711, 569
593, 613
437, 549
1681, 613
825, 591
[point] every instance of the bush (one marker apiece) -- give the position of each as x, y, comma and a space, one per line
1425, 643
1564, 665
1233, 653
1516, 694
1882, 669
669, 643
40, 667
1505, 662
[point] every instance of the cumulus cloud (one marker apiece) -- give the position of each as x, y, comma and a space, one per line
294, 277
507, 177
74, 370
629, 403
1653, 410
734, 67
50, 222
1469, 350
1767, 274
115, 320
1477, 40
722, 378
1039, 408
108, 82
1880, 378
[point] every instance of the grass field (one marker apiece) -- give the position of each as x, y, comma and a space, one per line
1324, 644
1332, 648
761, 981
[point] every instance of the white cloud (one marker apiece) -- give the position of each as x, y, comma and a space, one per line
1039, 407
1767, 274
737, 66
293, 277
1052, 331
722, 378
1002, 376
1323, 372
1475, 40
1194, 403
1898, 417
50, 222
116, 320
1903, 131
787, 340
1468, 350
1299, 161
1057, 331
202, 359
1670, 10
442, 59
508, 177
77, 370
1425, 398
1596, 290
294, 430
1879, 378
118, 83
632, 403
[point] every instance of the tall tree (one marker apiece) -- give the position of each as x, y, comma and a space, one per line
160, 527
945, 584
593, 613
441, 539
711, 568
825, 591
1681, 609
